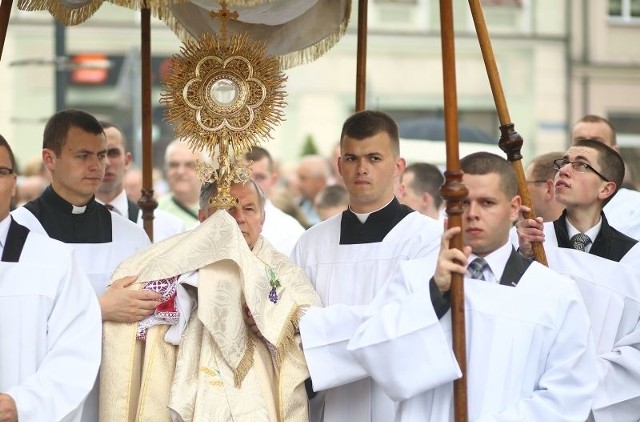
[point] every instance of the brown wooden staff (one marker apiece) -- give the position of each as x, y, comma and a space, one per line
361, 65
5, 14
146, 202
454, 192
510, 140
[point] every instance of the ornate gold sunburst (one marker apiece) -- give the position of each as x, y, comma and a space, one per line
224, 96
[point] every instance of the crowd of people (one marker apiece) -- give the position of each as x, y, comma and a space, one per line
324, 293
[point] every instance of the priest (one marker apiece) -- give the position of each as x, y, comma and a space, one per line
74, 151
50, 331
224, 345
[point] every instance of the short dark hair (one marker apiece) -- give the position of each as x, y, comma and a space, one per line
368, 123
4, 143
481, 163
543, 168
57, 128
426, 178
108, 125
592, 118
258, 153
332, 196
610, 162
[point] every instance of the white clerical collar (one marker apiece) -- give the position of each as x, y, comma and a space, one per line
363, 216
119, 203
497, 261
4, 231
78, 210
592, 232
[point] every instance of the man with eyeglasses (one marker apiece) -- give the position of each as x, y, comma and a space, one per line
588, 176
623, 211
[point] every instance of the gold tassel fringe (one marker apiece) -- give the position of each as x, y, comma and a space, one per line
245, 363
288, 60
66, 15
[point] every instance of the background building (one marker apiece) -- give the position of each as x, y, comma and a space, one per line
558, 60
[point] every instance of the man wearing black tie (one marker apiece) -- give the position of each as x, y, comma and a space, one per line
111, 191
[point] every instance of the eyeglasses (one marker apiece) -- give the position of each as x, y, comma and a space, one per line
6, 171
578, 166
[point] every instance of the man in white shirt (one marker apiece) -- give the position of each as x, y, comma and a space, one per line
588, 177
184, 185
623, 209
111, 191
314, 173
50, 328
530, 354
349, 257
281, 229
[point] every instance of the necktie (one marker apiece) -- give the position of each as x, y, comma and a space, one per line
580, 241
110, 208
476, 268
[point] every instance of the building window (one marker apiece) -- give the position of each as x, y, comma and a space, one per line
624, 9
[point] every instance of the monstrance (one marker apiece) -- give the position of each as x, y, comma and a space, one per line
224, 95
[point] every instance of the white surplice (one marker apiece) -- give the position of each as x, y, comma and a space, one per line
631, 258
623, 212
165, 224
530, 355
280, 229
611, 292
98, 261
50, 332
348, 277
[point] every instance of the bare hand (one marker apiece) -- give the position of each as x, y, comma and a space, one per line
251, 323
120, 304
529, 231
450, 260
8, 410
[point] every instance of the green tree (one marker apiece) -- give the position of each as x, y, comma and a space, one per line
309, 146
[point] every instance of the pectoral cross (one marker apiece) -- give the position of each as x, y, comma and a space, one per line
224, 15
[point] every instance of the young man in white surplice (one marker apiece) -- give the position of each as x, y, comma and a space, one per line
530, 353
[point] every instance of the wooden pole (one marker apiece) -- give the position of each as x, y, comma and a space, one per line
510, 140
361, 66
454, 192
146, 202
5, 14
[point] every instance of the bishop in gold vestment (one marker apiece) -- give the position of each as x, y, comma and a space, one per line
200, 360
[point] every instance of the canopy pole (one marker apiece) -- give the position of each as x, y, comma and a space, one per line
146, 202
361, 66
510, 140
454, 192
5, 14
